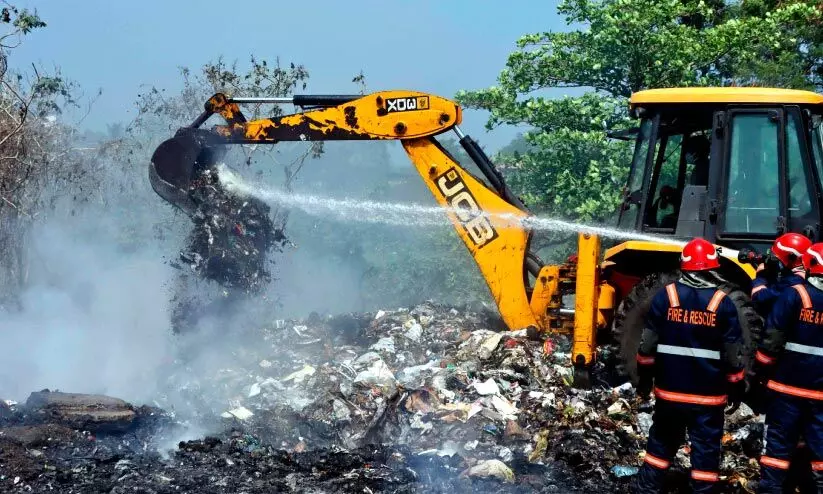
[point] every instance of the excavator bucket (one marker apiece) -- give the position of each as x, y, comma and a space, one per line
178, 161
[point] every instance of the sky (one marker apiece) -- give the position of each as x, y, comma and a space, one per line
436, 46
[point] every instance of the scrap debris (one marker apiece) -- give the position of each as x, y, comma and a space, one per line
232, 235
429, 399
229, 244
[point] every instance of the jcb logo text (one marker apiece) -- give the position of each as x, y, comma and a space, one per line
407, 104
464, 206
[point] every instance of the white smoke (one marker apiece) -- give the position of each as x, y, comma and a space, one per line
93, 318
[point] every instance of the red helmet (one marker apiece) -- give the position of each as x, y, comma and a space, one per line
813, 259
699, 255
790, 247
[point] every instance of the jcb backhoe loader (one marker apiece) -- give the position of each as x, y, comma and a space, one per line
737, 166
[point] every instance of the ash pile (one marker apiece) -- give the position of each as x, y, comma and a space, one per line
428, 399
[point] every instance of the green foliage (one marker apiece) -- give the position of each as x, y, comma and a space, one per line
571, 169
586, 189
516, 147
23, 20
793, 61
26, 22
635, 44
51, 94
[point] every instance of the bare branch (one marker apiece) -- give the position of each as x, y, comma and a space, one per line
13, 133
14, 205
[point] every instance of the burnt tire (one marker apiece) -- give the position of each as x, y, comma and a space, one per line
628, 320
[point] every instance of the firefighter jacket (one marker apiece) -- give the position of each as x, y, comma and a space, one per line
791, 353
764, 294
693, 340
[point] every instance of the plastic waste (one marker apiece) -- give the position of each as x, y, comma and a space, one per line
623, 388
241, 413
417, 422
505, 407
254, 390
489, 387
341, 411
299, 376
644, 423
414, 332
449, 448
541, 444
366, 359
424, 376
384, 345
620, 406
413, 376
624, 471
490, 468
378, 375
505, 454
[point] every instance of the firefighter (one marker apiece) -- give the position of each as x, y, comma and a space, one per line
691, 355
789, 362
782, 269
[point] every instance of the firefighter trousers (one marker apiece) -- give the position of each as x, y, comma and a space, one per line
800, 477
787, 417
669, 425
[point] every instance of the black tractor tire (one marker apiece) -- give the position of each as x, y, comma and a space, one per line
628, 320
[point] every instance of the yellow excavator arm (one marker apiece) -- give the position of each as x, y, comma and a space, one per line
487, 219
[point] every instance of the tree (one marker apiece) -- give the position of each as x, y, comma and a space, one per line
40, 161
571, 169
161, 112
262, 79
227, 243
796, 62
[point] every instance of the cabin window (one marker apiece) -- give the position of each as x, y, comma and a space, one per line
800, 183
753, 190
682, 158
817, 145
634, 189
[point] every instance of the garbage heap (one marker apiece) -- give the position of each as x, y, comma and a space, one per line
230, 243
430, 399
231, 236
454, 385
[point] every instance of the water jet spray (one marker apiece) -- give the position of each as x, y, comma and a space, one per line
394, 213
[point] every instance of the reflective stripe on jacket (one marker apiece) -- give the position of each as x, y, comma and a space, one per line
692, 339
794, 343
764, 294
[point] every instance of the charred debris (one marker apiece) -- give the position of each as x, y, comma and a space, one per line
229, 244
428, 399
